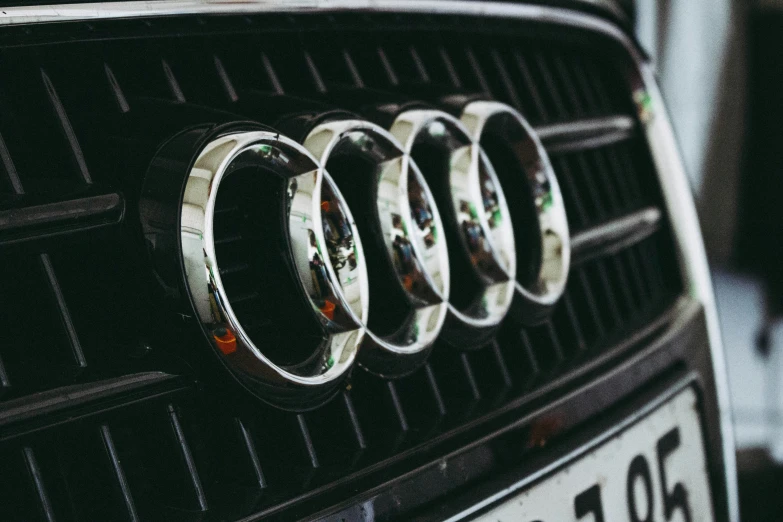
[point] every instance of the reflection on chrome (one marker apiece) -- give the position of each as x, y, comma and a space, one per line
481, 212
503, 124
409, 224
308, 190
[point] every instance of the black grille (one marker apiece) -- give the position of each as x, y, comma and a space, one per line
77, 304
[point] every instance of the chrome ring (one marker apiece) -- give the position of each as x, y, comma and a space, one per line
473, 195
333, 286
548, 274
411, 257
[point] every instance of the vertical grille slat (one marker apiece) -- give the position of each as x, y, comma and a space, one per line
320, 86
592, 305
608, 293
391, 75
452, 71
117, 92
576, 213
65, 314
593, 104
477, 70
361, 442
402, 418
38, 484
172, 82
613, 177
65, 123
437, 395
470, 377
625, 284
274, 81
502, 366
5, 382
187, 457
551, 90
596, 85
531, 89
357, 78
252, 453
535, 368
424, 76
566, 85
119, 473
574, 321
592, 163
225, 80
304, 431
636, 269
507, 91
628, 171
598, 192
15, 184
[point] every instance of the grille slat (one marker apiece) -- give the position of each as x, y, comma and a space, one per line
612, 235
531, 86
592, 305
584, 134
477, 71
5, 382
452, 71
574, 321
32, 219
187, 457
557, 104
565, 83
65, 314
65, 123
510, 89
9, 169
502, 366
119, 473
38, 484
626, 170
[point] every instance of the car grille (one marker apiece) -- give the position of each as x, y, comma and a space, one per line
104, 416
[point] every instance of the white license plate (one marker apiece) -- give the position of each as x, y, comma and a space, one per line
655, 470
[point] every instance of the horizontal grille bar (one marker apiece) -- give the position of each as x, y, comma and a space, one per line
612, 236
586, 134
34, 221
49, 406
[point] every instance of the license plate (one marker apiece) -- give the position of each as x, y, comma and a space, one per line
654, 470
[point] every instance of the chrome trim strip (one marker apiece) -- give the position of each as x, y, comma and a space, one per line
589, 126
677, 192
693, 259
585, 134
136, 9
615, 234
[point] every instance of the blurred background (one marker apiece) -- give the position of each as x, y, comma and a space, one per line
720, 65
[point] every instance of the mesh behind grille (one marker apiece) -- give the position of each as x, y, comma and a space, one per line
76, 307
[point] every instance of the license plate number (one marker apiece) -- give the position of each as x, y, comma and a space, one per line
655, 470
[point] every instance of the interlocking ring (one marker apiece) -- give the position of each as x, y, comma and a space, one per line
406, 251
540, 225
477, 218
284, 309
